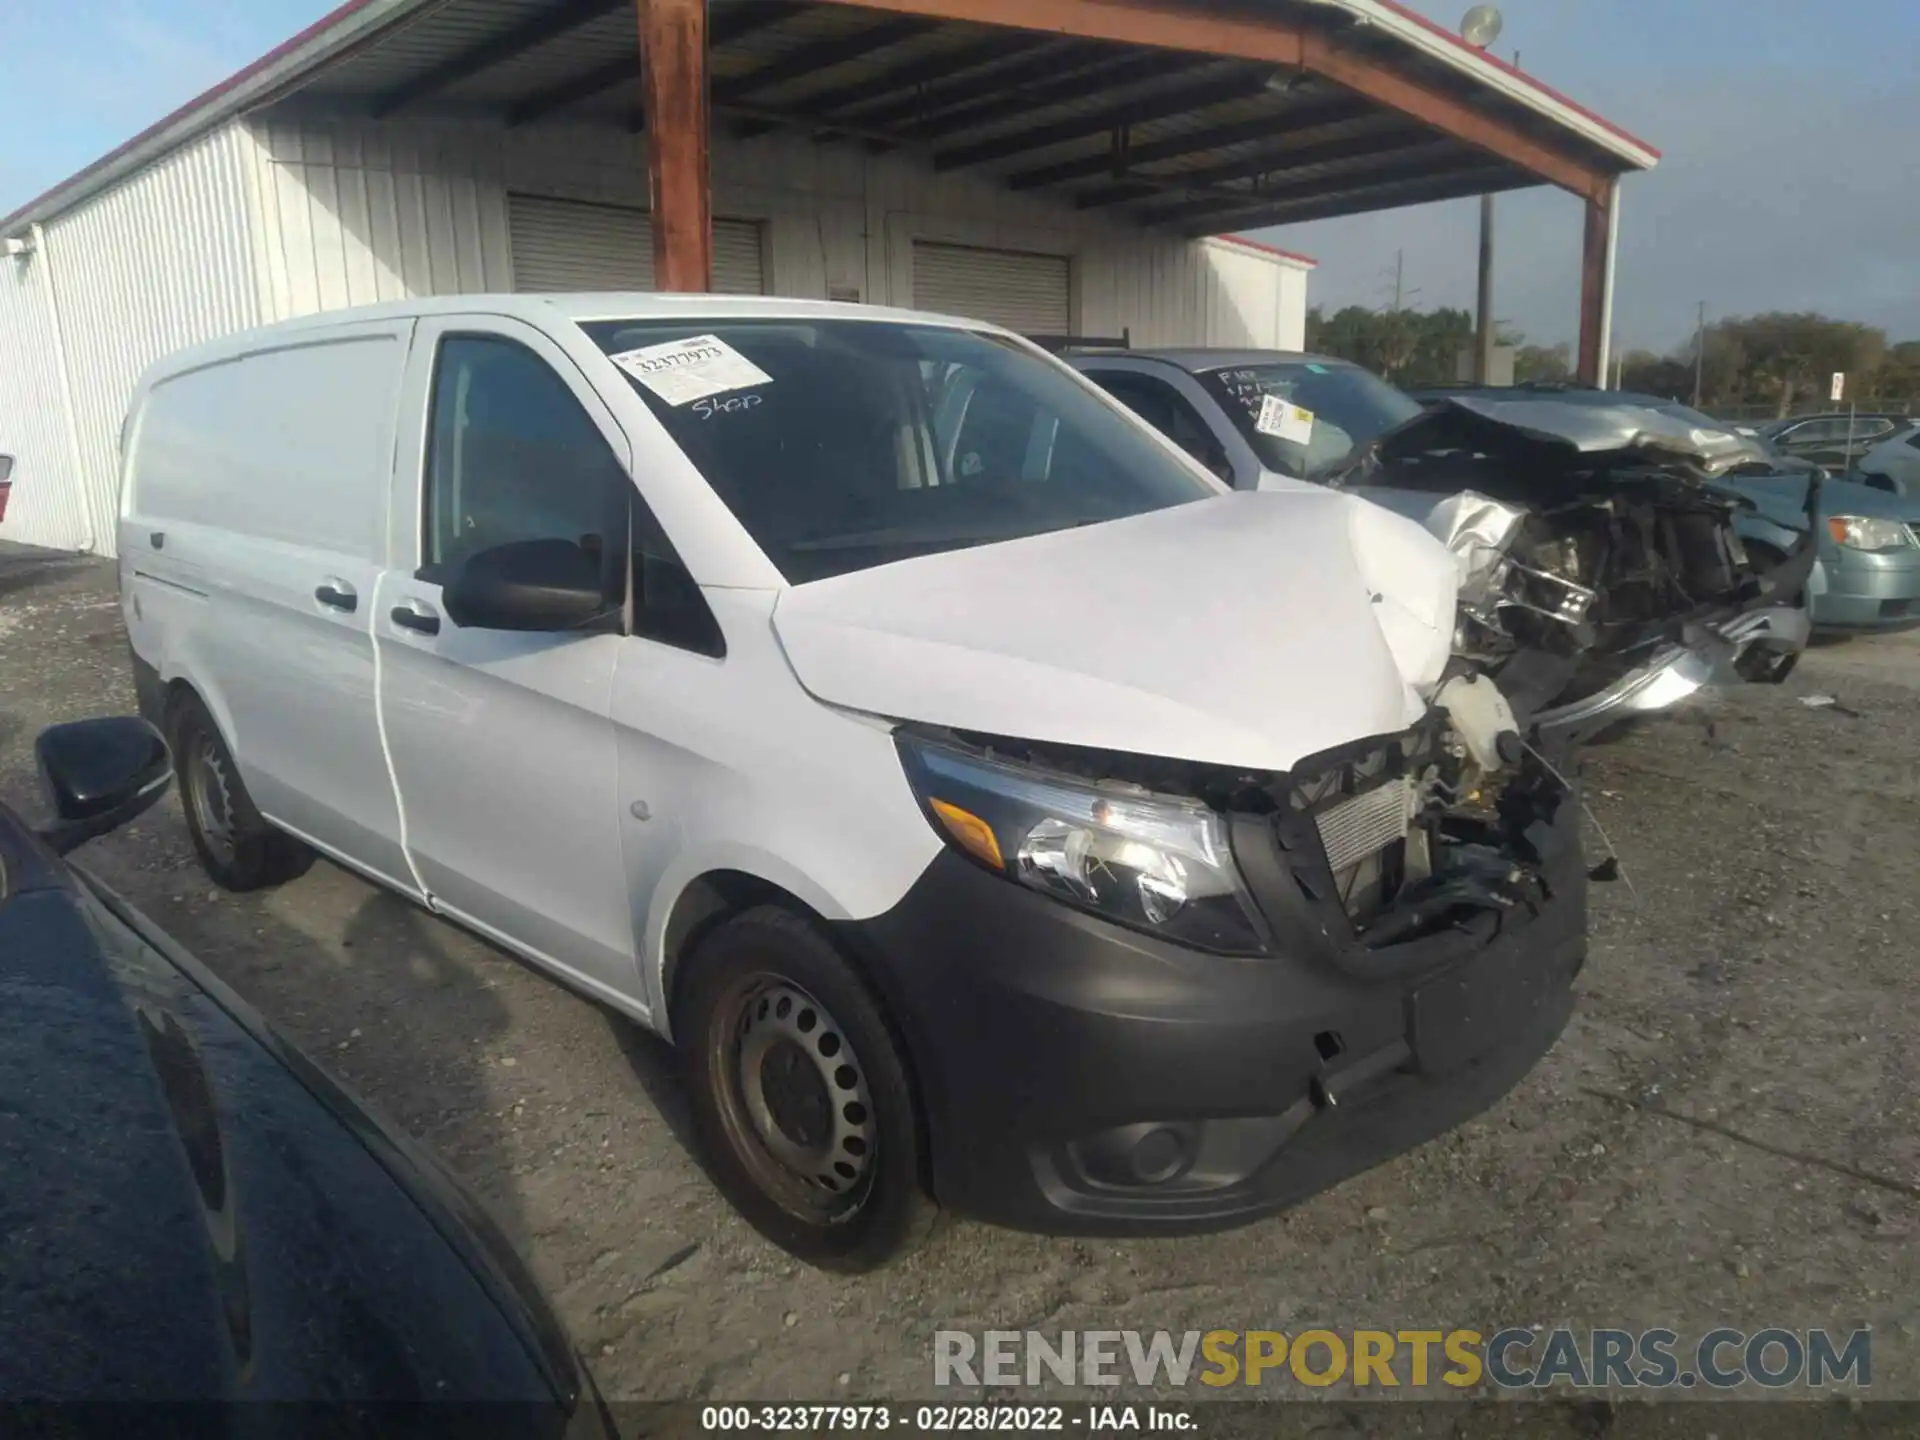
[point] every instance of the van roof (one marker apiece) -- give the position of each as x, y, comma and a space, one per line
581, 307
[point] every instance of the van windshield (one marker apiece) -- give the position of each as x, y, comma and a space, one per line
1303, 418
844, 444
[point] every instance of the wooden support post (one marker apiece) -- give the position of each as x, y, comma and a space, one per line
673, 66
1596, 285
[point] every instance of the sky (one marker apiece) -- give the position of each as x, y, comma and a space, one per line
1787, 128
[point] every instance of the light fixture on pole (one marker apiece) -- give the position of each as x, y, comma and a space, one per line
1480, 27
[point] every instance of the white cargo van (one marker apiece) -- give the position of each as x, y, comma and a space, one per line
993, 809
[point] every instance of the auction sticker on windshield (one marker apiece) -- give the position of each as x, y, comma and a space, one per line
1284, 421
682, 371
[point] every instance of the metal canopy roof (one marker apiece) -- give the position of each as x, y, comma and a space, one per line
1192, 143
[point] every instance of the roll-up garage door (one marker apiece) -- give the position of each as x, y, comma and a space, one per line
1022, 291
573, 245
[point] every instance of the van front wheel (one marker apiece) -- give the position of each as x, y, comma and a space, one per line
800, 1095
238, 848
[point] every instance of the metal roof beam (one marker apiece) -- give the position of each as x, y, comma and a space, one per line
1257, 38
1325, 56
583, 86
1267, 161
947, 64
528, 35
956, 106
731, 24
1404, 168
1210, 90
1338, 110
818, 55
1481, 179
943, 66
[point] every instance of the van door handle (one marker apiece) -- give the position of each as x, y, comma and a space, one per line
416, 617
157, 539
336, 594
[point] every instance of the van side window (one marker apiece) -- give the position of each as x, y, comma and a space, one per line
667, 604
512, 455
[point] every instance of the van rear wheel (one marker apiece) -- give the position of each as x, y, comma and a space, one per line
800, 1094
237, 847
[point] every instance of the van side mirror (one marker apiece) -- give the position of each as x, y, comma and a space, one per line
526, 585
98, 775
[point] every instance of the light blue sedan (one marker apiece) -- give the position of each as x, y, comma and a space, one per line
1867, 572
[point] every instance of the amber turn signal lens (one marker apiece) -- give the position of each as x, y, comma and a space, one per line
970, 833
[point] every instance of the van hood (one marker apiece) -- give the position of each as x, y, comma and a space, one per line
1251, 629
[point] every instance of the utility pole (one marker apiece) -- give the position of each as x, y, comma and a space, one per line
1699, 353
1483, 320
1483, 336
1399, 278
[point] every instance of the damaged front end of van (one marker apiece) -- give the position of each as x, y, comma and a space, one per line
1220, 922
1601, 573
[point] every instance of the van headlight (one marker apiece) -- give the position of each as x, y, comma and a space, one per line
1158, 863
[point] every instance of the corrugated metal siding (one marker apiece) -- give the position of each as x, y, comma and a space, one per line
357, 212
164, 260
47, 504
1028, 293
361, 211
561, 245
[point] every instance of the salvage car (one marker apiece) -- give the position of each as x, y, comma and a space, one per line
1893, 464
1866, 570
192, 1211
1761, 456
1602, 573
852, 697
1836, 440
1867, 573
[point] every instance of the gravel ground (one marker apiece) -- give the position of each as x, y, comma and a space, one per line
1725, 1135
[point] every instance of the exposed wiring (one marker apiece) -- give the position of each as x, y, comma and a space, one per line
1613, 852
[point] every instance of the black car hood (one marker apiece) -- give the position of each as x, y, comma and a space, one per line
183, 1217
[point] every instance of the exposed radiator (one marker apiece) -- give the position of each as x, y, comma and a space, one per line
1356, 828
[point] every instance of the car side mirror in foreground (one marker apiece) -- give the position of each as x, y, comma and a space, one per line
526, 585
98, 775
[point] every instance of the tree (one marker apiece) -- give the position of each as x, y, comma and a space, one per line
1409, 347
1664, 375
1541, 362
1791, 356
1897, 381
1723, 374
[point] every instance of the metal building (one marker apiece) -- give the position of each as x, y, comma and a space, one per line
1057, 166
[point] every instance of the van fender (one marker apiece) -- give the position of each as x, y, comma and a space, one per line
177, 668
804, 884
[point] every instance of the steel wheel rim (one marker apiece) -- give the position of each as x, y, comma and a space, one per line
211, 796
794, 1099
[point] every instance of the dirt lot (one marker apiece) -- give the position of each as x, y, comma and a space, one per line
1728, 1134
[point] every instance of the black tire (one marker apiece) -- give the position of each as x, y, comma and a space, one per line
805, 1114
238, 848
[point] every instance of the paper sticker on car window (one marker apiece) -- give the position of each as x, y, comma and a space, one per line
682, 371
1284, 421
